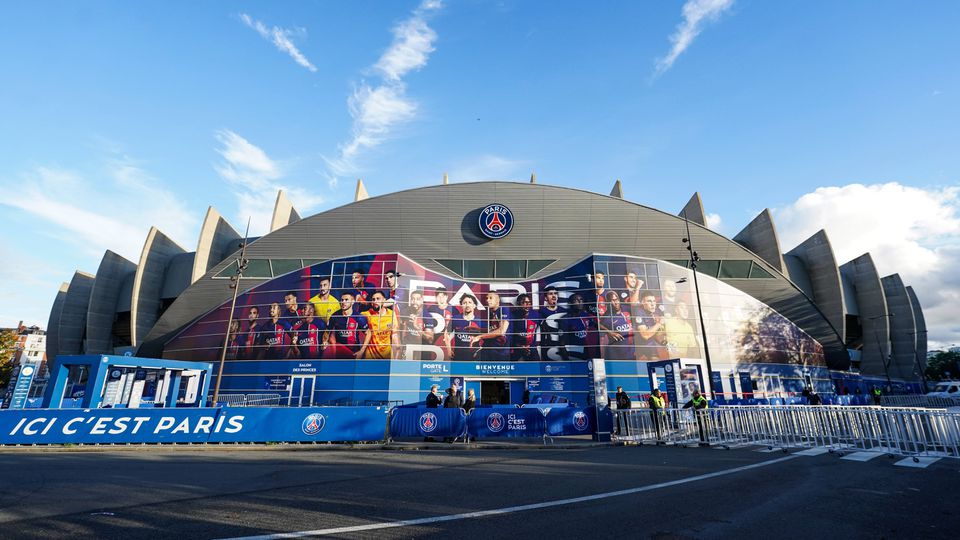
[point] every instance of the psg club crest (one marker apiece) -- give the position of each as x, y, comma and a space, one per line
580, 421
495, 422
428, 422
313, 424
496, 221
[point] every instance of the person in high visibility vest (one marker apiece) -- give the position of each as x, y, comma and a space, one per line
700, 404
656, 405
876, 395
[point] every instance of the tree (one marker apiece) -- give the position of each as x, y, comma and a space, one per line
943, 365
8, 342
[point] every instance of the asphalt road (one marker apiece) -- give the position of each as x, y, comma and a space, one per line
189, 493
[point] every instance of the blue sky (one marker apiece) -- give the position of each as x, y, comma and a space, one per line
119, 115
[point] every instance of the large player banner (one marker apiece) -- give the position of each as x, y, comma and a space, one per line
387, 306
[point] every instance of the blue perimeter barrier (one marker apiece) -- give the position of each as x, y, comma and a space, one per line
492, 422
424, 422
207, 425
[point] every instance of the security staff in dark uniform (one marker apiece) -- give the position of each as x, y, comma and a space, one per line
699, 404
657, 413
623, 404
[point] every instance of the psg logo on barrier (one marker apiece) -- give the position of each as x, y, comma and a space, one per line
495, 422
428, 422
580, 421
496, 221
313, 424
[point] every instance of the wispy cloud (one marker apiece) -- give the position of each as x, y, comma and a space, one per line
908, 230
94, 216
255, 179
696, 13
490, 167
714, 222
281, 39
378, 109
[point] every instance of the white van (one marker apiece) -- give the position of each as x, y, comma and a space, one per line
949, 389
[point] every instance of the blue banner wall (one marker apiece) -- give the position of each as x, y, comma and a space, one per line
250, 424
424, 422
486, 422
571, 421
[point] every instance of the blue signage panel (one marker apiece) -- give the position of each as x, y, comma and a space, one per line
21, 390
222, 424
424, 422
571, 421
486, 422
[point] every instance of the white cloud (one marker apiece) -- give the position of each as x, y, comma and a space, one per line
714, 222
378, 110
255, 179
280, 38
696, 13
911, 231
490, 167
98, 215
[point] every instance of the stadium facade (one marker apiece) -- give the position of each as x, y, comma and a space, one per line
508, 288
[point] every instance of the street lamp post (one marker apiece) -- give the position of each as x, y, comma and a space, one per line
241, 263
688, 241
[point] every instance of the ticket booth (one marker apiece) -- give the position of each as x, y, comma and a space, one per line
100, 381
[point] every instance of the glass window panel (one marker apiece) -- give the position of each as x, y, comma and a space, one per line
229, 271
284, 266
682, 263
735, 269
454, 265
311, 262
478, 269
709, 268
537, 265
511, 269
757, 272
257, 268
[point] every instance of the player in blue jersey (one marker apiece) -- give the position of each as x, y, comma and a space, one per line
394, 295
277, 335
617, 324
441, 314
310, 334
294, 317
576, 327
550, 315
252, 341
346, 331
464, 328
524, 322
362, 290
494, 341
651, 336
418, 327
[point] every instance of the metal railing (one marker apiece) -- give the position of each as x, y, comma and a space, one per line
249, 400
903, 431
930, 402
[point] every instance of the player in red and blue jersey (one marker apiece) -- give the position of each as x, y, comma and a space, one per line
576, 328
278, 335
252, 341
523, 330
441, 315
310, 333
465, 330
494, 341
346, 330
617, 324
550, 315
361, 289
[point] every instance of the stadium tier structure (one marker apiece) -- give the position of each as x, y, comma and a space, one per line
513, 289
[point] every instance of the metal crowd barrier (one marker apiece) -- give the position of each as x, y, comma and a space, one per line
899, 431
929, 402
249, 400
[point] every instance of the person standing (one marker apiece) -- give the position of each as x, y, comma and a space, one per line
623, 404
877, 393
433, 398
470, 403
700, 405
657, 412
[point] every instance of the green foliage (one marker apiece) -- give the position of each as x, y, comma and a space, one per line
944, 365
8, 340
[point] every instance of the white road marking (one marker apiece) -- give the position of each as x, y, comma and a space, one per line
862, 456
922, 462
510, 509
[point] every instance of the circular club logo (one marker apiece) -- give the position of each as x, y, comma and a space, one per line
27, 370
495, 422
496, 220
580, 421
313, 424
668, 368
428, 422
